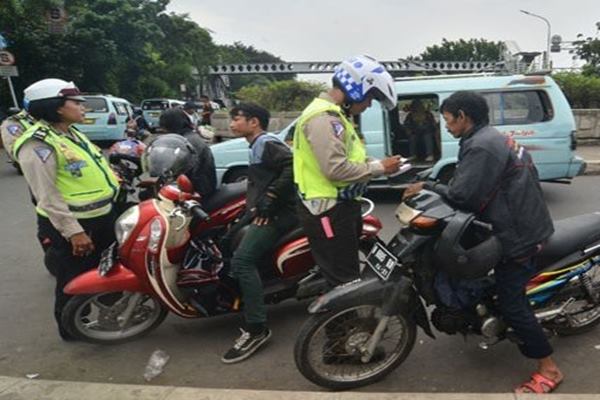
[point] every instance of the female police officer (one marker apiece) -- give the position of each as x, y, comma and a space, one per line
71, 181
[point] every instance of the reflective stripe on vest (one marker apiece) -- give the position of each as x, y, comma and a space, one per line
83, 176
23, 118
308, 177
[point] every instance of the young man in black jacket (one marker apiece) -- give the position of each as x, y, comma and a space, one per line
496, 179
270, 213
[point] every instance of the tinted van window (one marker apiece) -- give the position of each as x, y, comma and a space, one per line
121, 108
518, 107
95, 105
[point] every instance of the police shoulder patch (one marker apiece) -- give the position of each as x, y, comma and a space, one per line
14, 129
43, 153
338, 128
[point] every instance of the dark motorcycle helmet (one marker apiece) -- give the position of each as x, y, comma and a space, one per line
466, 250
168, 156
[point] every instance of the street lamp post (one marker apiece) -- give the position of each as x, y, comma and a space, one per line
547, 55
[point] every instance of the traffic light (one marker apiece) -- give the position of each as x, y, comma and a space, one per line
556, 40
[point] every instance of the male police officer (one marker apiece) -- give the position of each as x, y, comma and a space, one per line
331, 169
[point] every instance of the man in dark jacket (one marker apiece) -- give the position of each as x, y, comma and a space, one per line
270, 205
203, 175
496, 179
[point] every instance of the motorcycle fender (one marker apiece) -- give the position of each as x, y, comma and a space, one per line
119, 279
355, 292
401, 297
421, 316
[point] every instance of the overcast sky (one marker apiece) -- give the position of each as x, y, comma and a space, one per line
311, 30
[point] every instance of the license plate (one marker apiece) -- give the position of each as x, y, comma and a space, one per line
381, 261
154, 114
89, 121
107, 259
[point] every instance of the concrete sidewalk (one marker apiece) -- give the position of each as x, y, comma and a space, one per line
591, 155
25, 389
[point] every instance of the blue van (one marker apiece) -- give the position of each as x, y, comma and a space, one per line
531, 109
105, 117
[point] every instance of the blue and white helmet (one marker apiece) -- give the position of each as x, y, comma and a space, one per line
363, 75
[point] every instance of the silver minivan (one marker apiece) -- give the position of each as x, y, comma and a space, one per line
105, 117
152, 108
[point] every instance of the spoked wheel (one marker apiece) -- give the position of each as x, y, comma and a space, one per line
111, 318
330, 348
582, 313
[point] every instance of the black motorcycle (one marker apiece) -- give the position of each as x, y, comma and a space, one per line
361, 331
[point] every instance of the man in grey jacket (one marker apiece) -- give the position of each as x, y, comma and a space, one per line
495, 178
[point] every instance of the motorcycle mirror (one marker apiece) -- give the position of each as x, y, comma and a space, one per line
184, 184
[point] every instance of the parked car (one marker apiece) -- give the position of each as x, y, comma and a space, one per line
152, 108
531, 109
105, 117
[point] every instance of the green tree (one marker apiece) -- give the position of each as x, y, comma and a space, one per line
589, 50
131, 48
582, 91
288, 95
463, 50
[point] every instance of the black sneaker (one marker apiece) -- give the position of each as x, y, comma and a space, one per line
245, 346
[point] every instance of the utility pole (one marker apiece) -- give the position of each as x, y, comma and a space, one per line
547, 55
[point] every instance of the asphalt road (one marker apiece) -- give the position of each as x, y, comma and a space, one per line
29, 343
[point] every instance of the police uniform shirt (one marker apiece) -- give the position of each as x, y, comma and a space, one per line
10, 130
38, 162
326, 134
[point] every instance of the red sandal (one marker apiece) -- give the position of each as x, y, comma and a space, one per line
538, 384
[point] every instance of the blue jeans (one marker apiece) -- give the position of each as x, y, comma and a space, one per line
511, 278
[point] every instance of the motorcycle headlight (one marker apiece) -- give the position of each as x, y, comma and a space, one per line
125, 224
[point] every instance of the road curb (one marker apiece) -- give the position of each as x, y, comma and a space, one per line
592, 167
28, 389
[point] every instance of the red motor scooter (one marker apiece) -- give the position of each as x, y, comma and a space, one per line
167, 258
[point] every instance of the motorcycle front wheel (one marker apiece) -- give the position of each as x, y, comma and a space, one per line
329, 347
102, 317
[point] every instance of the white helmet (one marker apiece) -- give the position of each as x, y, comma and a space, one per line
51, 89
363, 75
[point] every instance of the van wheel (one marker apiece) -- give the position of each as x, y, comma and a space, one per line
236, 175
446, 174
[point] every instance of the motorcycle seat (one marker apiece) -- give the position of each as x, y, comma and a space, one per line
294, 234
570, 234
226, 193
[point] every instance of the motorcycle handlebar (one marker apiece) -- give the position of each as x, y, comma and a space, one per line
199, 213
483, 225
114, 158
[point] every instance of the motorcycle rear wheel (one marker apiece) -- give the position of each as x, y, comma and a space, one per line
95, 318
327, 348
